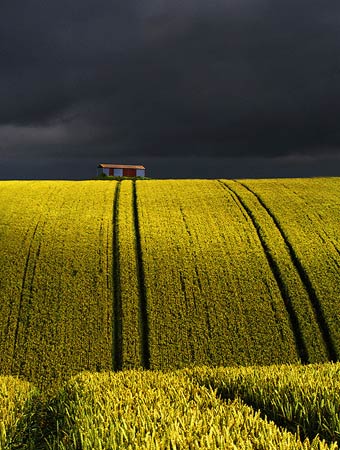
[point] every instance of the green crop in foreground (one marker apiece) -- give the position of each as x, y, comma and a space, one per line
16, 397
154, 410
200, 408
304, 398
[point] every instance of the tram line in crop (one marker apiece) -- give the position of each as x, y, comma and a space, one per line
315, 302
299, 339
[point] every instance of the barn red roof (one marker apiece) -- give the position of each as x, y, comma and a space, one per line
119, 166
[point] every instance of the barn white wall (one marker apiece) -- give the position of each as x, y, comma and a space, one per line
118, 172
140, 172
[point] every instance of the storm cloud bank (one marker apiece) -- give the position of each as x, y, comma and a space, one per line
169, 80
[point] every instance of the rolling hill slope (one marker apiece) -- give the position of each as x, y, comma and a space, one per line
160, 274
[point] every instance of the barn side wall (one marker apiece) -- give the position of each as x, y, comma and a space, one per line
140, 172
128, 172
118, 172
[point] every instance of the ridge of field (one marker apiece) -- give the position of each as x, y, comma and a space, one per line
56, 278
185, 409
308, 213
211, 295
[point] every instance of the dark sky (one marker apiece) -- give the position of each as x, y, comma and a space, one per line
189, 88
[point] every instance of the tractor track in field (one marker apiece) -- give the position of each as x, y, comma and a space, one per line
117, 332
336, 249
294, 321
314, 300
143, 310
30, 299
26, 280
12, 307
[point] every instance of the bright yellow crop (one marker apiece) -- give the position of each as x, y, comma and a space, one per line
56, 278
128, 308
211, 295
167, 274
308, 213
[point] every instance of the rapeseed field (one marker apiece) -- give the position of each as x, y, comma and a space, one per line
228, 290
55, 279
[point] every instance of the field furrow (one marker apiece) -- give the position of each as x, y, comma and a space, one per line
294, 321
143, 307
308, 215
126, 261
117, 348
24, 300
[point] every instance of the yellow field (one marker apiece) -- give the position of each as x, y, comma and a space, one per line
308, 214
56, 278
212, 296
169, 274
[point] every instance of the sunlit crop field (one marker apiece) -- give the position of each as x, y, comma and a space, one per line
100, 276
158, 274
56, 278
276, 407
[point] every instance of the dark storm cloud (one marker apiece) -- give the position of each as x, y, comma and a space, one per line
170, 78
55, 54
